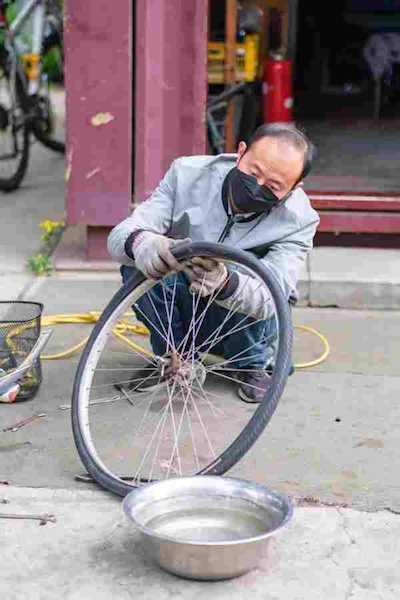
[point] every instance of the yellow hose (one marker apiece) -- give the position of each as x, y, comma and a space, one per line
91, 318
324, 354
124, 326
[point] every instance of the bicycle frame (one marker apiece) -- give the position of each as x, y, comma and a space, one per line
218, 104
26, 110
36, 9
221, 101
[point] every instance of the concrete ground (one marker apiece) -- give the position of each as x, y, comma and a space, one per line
331, 446
92, 552
333, 437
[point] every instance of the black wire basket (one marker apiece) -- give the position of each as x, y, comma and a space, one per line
19, 331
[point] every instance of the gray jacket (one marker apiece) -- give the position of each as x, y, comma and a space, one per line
188, 203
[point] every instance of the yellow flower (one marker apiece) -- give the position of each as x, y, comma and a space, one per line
49, 226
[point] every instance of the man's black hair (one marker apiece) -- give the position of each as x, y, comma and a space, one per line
290, 134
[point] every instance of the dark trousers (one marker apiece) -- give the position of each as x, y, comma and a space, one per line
168, 309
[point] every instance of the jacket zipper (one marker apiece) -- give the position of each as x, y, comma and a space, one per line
227, 229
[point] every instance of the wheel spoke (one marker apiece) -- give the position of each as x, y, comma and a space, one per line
113, 369
154, 461
164, 337
194, 404
198, 320
164, 411
235, 329
176, 444
189, 420
195, 304
170, 336
213, 408
233, 359
255, 387
148, 294
132, 351
213, 338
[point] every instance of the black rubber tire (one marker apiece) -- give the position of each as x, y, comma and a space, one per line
37, 131
256, 425
54, 145
49, 143
8, 184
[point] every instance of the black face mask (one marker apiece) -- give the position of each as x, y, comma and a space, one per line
249, 197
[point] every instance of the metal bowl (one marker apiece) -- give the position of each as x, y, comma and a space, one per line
207, 527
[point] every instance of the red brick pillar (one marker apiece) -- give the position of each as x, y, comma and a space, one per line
171, 86
169, 105
98, 39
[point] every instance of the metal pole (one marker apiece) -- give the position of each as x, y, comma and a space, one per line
377, 97
230, 71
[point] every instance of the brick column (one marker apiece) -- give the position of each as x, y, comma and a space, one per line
168, 108
98, 39
171, 86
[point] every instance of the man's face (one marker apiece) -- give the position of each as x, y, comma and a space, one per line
273, 162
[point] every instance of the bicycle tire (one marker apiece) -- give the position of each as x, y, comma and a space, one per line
262, 415
54, 145
43, 138
13, 181
40, 128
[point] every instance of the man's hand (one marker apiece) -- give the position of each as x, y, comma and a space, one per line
206, 275
153, 256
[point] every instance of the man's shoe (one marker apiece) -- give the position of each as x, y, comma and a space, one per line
253, 385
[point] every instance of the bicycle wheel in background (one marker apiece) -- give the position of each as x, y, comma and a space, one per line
216, 115
48, 114
14, 129
136, 417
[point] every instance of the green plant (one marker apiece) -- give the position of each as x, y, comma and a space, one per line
40, 263
53, 65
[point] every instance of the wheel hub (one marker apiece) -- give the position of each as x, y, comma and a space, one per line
191, 373
186, 372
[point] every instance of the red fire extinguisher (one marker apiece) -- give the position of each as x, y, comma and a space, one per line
277, 91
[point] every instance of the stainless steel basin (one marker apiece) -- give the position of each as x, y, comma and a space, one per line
207, 527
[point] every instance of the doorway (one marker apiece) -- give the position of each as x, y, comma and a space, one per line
347, 93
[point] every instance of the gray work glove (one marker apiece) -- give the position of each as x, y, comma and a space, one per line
206, 275
153, 256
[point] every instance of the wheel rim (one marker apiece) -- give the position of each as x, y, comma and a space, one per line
184, 424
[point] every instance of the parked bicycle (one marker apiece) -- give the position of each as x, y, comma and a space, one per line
248, 114
26, 96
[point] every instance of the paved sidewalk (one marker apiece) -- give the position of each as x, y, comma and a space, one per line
40, 197
92, 551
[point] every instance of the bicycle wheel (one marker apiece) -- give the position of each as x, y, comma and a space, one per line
48, 105
14, 131
190, 421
